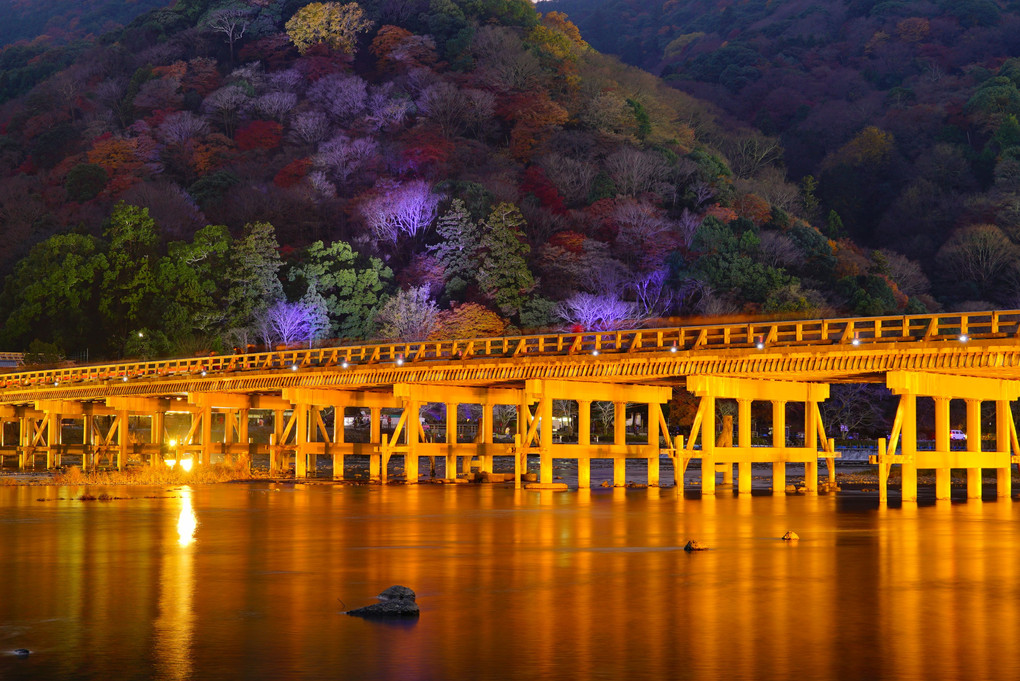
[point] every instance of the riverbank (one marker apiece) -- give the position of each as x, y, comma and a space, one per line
851, 476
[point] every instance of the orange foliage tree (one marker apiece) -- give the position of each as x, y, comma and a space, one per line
469, 320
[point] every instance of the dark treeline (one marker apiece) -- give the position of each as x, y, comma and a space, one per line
899, 119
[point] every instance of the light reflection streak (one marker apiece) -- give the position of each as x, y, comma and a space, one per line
175, 625
187, 522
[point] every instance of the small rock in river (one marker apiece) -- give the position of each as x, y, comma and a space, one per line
396, 601
790, 536
694, 545
22, 652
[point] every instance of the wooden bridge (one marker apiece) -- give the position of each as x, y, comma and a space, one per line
307, 396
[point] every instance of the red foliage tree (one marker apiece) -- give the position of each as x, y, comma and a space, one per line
259, 135
426, 152
536, 183
292, 173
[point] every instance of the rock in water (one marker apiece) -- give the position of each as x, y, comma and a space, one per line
394, 602
694, 545
22, 652
397, 592
790, 536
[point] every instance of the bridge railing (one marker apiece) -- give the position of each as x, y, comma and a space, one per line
853, 331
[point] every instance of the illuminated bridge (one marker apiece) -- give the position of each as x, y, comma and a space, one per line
305, 394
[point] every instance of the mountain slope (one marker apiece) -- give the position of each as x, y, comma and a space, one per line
197, 186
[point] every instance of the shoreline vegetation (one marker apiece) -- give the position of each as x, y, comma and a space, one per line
851, 476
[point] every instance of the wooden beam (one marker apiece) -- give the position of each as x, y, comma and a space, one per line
952, 386
220, 400
459, 394
600, 392
728, 387
325, 397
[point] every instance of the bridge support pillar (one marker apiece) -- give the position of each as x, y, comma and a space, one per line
53, 440
412, 428
123, 432
725, 439
243, 438
275, 444
974, 445
653, 445
302, 452
485, 438
619, 439
779, 444
743, 441
746, 391
376, 464
1003, 420
943, 474
157, 434
584, 441
339, 438
707, 444
205, 453
545, 413
908, 433
811, 435
521, 441
943, 388
451, 441
88, 441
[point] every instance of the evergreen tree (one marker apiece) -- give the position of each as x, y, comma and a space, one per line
457, 250
253, 281
503, 274
351, 286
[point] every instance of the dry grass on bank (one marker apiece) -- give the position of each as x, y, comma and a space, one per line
227, 471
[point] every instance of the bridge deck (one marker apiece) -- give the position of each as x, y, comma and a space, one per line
827, 350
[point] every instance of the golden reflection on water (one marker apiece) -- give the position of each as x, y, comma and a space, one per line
516, 584
175, 623
187, 522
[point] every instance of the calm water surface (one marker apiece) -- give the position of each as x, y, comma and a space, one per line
243, 581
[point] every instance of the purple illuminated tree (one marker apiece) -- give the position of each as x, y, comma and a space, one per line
342, 96
409, 209
603, 312
341, 157
288, 323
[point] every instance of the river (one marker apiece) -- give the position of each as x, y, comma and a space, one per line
251, 581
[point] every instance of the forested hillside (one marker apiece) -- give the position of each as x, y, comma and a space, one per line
219, 175
899, 119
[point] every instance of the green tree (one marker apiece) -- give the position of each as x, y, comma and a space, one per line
457, 250
350, 285
189, 280
253, 282
51, 294
128, 291
85, 181
503, 274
